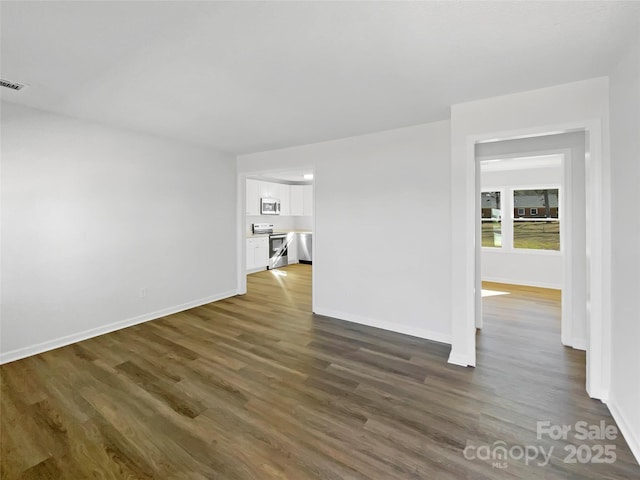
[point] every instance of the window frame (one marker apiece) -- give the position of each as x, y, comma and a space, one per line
502, 191
508, 220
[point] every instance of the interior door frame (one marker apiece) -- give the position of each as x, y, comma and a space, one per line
597, 193
567, 213
241, 233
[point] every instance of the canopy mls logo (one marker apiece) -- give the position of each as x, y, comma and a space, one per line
499, 453
11, 85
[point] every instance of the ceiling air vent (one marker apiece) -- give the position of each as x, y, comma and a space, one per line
11, 85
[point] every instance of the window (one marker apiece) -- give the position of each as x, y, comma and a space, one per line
491, 219
540, 228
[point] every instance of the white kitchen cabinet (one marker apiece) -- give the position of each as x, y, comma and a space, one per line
307, 200
284, 194
268, 189
257, 189
301, 200
296, 197
292, 247
278, 191
262, 252
253, 197
257, 253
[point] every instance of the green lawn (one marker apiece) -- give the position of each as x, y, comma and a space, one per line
491, 235
533, 235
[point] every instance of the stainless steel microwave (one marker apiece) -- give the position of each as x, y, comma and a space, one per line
269, 206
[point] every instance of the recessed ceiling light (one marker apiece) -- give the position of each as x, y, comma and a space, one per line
308, 176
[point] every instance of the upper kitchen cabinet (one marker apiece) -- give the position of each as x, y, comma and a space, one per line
268, 189
278, 191
307, 200
257, 189
253, 197
283, 193
301, 200
294, 199
297, 200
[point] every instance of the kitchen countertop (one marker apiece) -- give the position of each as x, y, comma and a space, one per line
293, 230
257, 235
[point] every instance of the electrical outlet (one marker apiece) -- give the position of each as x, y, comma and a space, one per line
144, 291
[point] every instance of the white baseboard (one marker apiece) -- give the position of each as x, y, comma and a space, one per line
24, 352
579, 344
598, 394
526, 283
384, 325
461, 360
632, 438
575, 343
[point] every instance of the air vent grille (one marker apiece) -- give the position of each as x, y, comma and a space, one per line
11, 85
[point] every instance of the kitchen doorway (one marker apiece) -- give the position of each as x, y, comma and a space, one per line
276, 228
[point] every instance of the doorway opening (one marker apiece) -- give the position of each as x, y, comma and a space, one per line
532, 224
276, 231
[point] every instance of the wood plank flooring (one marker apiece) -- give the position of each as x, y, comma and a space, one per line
256, 387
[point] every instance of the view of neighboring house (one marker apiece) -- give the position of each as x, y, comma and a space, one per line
490, 205
535, 203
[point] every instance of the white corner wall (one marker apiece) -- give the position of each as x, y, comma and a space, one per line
91, 215
561, 108
382, 226
624, 401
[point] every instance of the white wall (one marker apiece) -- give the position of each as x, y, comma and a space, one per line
521, 267
382, 226
304, 223
280, 222
92, 214
560, 108
625, 211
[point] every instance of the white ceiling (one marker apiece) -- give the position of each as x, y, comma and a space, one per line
252, 76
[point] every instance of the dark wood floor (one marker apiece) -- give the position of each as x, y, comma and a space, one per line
256, 387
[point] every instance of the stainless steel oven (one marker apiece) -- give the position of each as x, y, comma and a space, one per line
278, 251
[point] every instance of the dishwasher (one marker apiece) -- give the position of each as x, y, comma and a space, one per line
305, 248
